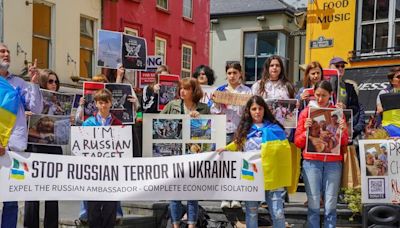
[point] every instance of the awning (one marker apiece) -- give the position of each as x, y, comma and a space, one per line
370, 81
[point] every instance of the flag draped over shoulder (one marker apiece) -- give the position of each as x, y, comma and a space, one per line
391, 113
276, 157
9, 102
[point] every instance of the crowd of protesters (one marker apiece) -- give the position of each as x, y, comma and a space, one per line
247, 128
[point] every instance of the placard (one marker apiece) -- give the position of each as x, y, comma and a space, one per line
168, 89
169, 134
102, 141
121, 108
380, 171
48, 130
224, 97
57, 104
324, 136
284, 110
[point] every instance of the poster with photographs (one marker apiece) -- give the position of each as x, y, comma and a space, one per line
115, 48
348, 114
380, 171
57, 104
168, 89
49, 130
121, 108
285, 111
323, 137
172, 134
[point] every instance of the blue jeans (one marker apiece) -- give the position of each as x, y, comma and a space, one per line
10, 215
322, 177
83, 213
275, 206
177, 213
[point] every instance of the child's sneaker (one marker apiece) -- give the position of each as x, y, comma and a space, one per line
225, 204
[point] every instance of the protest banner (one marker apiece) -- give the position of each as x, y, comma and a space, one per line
146, 78
284, 110
49, 130
121, 108
115, 48
105, 141
323, 137
223, 97
205, 176
58, 104
168, 89
380, 169
181, 134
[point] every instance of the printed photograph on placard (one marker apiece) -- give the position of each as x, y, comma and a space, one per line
323, 137
58, 104
121, 107
200, 129
109, 48
168, 90
167, 149
167, 128
285, 111
348, 114
89, 88
76, 100
49, 130
376, 159
134, 52
194, 148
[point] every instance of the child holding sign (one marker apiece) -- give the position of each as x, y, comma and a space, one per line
107, 209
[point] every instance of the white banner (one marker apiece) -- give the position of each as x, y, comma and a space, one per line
205, 176
107, 142
380, 171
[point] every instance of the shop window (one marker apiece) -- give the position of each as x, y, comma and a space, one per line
86, 61
258, 46
42, 35
379, 27
186, 61
188, 8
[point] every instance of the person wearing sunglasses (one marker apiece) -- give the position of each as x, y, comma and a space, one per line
48, 80
347, 96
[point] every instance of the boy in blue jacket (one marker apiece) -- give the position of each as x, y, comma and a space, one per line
102, 213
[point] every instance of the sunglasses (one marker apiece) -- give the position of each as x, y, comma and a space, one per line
339, 66
51, 81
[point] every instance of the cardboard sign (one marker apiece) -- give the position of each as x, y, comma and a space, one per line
231, 98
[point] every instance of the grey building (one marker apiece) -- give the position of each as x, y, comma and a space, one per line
251, 30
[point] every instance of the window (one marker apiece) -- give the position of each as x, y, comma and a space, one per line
162, 4
187, 8
86, 48
161, 48
130, 31
186, 61
258, 46
379, 27
41, 35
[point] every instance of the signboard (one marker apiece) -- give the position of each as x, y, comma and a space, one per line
154, 61
321, 42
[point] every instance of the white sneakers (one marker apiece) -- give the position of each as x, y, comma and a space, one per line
229, 204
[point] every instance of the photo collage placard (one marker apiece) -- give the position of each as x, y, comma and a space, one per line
285, 111
180, 134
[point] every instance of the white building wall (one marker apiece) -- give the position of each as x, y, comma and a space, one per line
65, 28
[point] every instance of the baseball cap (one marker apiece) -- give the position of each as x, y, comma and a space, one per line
336, 60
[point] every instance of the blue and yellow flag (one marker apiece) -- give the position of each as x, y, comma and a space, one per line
9, 102
18, 170
391, 113
248, 170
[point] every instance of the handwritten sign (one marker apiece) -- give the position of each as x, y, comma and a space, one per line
231, 98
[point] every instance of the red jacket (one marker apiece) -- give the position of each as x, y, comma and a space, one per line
300, 140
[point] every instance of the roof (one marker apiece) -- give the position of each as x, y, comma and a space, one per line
239, 7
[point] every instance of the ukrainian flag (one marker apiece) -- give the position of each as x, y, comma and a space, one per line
18, 170
391, 113
9, 102
248, 170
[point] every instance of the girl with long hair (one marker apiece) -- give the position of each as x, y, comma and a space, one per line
257, 127
312, 75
